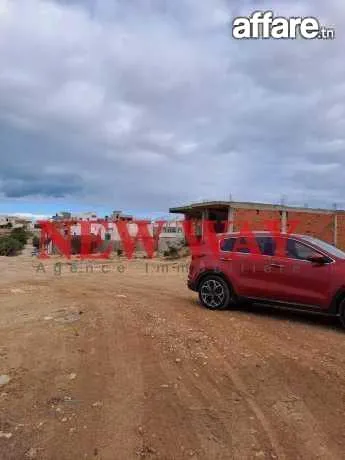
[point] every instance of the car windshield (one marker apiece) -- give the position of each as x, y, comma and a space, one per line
326, 247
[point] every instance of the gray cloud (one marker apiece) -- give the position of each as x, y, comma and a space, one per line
147, 104
48, 186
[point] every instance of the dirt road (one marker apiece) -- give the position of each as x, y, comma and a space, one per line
124, 364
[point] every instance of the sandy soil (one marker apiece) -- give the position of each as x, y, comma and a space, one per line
125, 364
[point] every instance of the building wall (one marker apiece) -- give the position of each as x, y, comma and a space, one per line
341, 231
319, 225
313, 224
256, 218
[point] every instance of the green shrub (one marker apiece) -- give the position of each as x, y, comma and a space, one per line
93, 244
20, 234
171, 252
36, 242
10, 246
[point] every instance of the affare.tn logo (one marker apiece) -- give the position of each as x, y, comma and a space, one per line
264, 25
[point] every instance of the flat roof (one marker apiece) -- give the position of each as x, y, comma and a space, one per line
199, 206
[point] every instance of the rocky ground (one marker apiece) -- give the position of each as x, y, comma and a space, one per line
122, 363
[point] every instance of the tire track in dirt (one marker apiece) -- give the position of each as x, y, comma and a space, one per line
238, 385
264, 420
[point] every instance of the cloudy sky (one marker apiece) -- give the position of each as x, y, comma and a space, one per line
145, 104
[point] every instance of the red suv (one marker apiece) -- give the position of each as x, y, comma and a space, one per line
305, 273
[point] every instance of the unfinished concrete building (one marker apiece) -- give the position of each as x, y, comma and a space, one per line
326, 224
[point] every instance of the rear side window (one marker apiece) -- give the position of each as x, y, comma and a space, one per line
227, 244
242, 246
267, 245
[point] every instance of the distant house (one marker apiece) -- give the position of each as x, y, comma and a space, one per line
63, 215
4, 221
118, 215
12, 221
171, 234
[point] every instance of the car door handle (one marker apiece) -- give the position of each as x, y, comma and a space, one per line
225, 259
276, 265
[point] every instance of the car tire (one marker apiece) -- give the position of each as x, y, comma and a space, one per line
214, 293
342, 312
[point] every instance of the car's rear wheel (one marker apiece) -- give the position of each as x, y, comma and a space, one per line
214, 293
342, 312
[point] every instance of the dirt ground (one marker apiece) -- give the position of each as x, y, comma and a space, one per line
125, 364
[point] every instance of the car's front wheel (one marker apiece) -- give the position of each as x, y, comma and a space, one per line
214, 292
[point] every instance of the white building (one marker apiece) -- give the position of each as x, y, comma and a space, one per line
111, 229
172, 229
15, 221
3, 221
85, 216
171, 234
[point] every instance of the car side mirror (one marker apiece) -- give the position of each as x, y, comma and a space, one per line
319, 260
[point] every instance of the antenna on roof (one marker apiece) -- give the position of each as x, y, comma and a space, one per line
230, 196
335, 207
